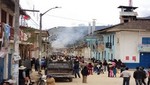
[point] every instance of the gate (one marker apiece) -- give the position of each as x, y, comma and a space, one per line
1, 68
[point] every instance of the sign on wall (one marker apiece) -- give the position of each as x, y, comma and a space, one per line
130, 58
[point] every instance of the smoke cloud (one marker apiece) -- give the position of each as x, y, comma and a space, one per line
69, 36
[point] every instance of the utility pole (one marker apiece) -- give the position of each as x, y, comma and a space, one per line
40, 35
15, 64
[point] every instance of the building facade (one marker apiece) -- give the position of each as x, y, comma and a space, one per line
129, 40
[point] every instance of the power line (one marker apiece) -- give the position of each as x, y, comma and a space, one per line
68, 18
34, 22
71, 19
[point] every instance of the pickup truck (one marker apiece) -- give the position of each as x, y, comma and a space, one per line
60, 69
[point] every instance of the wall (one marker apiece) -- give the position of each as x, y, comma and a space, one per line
86, 52
128, 46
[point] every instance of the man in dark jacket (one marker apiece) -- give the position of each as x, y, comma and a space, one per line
84, 73
76, 69
144, 75
138, 76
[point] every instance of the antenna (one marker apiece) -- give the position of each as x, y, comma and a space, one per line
130, 3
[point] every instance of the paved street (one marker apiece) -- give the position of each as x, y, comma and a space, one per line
94, 79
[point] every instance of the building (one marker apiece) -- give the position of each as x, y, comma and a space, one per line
128, 41
7, 18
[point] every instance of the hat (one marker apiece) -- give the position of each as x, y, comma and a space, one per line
11, 81
49, 76
22, 68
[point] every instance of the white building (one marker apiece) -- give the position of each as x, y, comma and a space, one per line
129, 40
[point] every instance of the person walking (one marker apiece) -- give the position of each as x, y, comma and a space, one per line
126, 76
84, 73
76, 69
143, 75
137, 75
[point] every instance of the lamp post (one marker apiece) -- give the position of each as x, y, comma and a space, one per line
40, 36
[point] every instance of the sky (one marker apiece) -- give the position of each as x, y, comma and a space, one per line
80, 12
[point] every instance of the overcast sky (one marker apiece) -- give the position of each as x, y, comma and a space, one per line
75, 12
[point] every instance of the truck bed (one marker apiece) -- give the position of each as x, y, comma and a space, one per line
63, 70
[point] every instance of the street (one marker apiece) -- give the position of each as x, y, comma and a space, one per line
95, 79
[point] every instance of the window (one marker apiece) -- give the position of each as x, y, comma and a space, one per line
108, 38
125, 21
146, 40
3, 16
112, 57
113, 40
10, 20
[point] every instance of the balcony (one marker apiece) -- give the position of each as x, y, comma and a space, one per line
108, 45
144, 47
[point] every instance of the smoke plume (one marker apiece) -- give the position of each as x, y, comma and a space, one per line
69, 36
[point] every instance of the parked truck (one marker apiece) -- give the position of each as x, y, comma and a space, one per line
60, 69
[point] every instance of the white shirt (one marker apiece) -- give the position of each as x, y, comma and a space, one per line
126, 73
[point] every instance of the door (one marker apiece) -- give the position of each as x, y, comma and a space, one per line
9, 65
145, 59
1, 68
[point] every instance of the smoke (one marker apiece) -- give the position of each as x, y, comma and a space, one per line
69, 36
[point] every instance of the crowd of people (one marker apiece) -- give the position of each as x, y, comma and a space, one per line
112, 67
83, 68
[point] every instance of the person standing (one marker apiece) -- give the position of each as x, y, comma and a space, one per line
84, 73
27, 64
22, 75
90, 68
126, 76
32, 62
105, 65
115, 71
37, 64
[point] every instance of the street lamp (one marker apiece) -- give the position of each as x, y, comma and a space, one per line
40, 36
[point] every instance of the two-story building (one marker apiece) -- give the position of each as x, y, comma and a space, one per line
128, 41
7, 18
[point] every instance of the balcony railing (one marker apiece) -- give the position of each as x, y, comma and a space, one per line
108, 45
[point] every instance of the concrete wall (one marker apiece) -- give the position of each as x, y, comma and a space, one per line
127, 45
